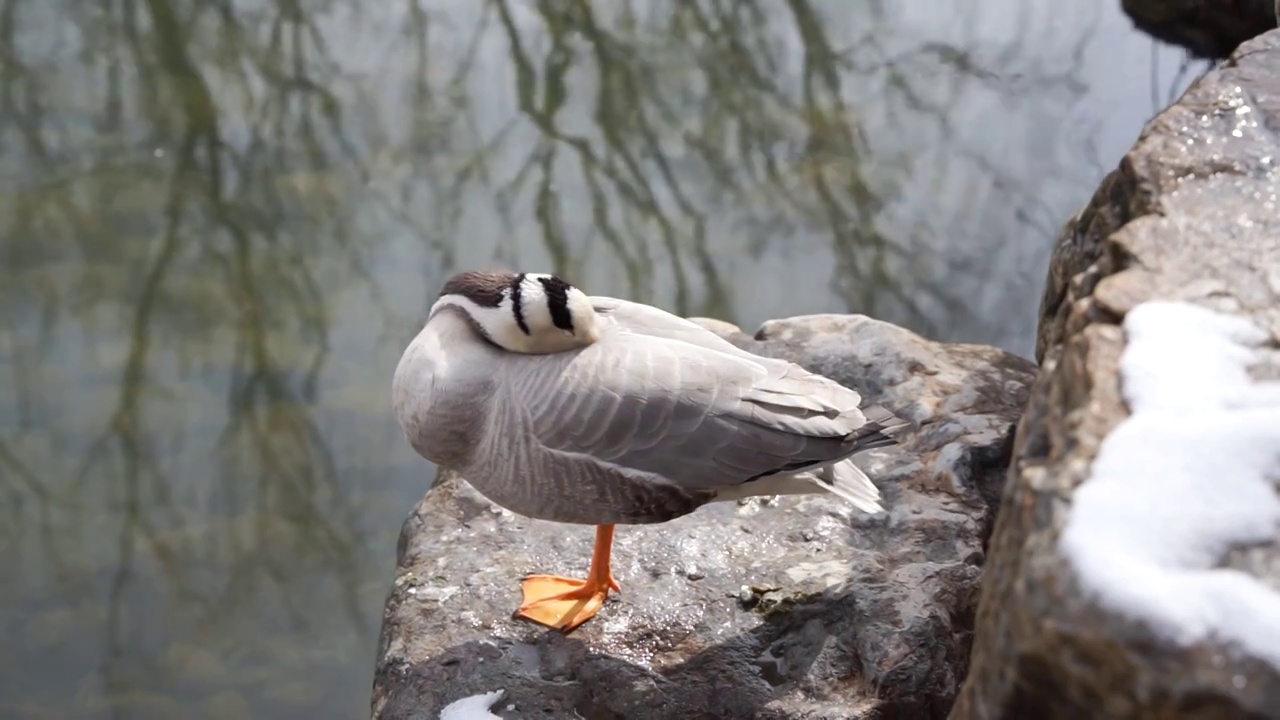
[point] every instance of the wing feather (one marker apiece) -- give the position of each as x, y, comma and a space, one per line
697, 416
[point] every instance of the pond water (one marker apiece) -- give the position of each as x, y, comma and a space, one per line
221, 221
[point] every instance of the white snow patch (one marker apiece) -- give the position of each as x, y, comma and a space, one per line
1188, 476
475, 707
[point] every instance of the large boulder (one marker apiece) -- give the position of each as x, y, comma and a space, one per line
1206, 28
1192, 214
798, 607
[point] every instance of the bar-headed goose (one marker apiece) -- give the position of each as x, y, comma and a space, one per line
600, 411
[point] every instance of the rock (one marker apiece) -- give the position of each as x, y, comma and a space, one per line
1191, 215
782, 608
1207, 28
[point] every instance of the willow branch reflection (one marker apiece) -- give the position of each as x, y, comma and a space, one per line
195, 189
210, 233
691, 110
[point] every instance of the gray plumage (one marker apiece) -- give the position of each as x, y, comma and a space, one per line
654, 418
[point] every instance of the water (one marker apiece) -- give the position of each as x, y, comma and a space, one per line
221, 222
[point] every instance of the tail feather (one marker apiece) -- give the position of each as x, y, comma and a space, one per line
842, 477
849, 482
881, 429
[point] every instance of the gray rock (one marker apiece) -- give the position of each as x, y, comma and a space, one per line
1191, 214
797, 607
1206, 28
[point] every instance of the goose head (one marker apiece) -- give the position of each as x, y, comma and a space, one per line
532, 313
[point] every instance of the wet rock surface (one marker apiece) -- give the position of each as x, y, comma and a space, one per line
796, 607
1206, 28
1191, 214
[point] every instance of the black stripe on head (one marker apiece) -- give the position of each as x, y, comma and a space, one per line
557, 292
517, 308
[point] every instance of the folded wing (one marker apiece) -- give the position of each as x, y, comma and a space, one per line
698, 416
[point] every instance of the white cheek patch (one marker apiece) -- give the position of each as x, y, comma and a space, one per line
534, 303
505, 318
496, 322
582, 312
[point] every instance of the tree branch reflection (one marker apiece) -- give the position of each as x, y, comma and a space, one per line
205, 213
195, 190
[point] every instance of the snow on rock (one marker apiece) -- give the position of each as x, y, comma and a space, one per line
475, 707
1187, 477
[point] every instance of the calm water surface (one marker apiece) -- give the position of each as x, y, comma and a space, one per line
220, 223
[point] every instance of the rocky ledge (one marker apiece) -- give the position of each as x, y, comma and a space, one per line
1190, 215
790, 608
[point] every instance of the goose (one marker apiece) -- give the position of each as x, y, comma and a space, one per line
599, 411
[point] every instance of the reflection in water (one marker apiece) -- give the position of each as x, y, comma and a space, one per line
177, 211
220, 221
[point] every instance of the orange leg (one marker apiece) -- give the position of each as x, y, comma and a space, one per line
565, 603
